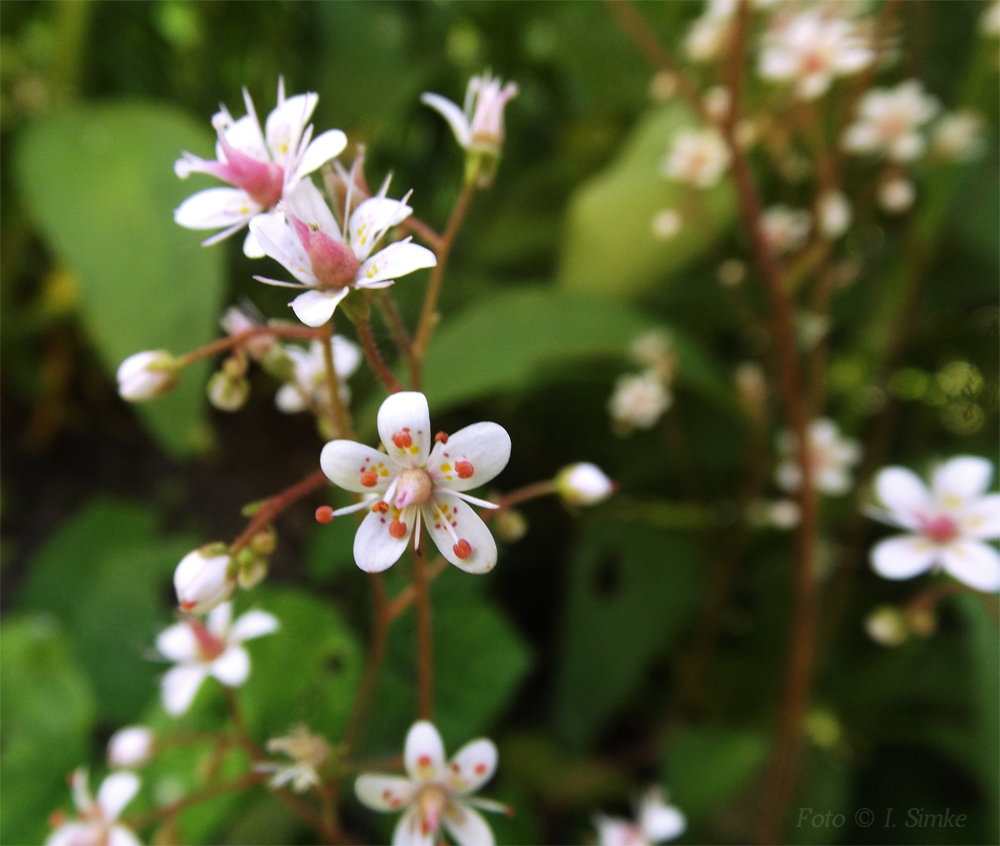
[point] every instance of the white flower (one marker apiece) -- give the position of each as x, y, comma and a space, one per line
303, 235
785, 229
946, 525
811, 49
263, 166
639, 400
147, 375
833, 214
888, 120
97, 823
204, 578
959, 136
130, 747
896, 195
584, 484
698, 156
239, 319
708, 34
655, 349
666, 223
656, 822
412, 484
208, 649
308, 751
435, 792
832, 457
479, 125
309, 388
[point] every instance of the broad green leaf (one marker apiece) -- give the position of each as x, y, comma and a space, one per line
631, 592
48, 714
610, 247
100, 183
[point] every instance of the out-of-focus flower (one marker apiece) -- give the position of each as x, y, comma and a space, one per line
411, 483
212, 648
833, 214
751, 389
989, 23
131, 747
710, 31
732, 272
666, 224
98, 819
639, 400
886, 625
435, 793
583, 484
784, 228
510, 525
698, 156
896, 195
147, 375
832, 458
888, 121
228, 389
655, 350
479, 125
656, 822
717, 101
959, 136
303, 235
946, 524
263, 166
204, 578
239, 319
308, 751
308, 388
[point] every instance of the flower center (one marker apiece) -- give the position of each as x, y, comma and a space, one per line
333, 262
209, 646
431, 802
940, 529
413, 487
263, 181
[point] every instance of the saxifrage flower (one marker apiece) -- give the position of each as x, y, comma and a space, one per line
97, 821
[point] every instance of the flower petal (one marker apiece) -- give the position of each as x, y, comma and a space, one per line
119, 835
115, 792
276, 237
408, 831
453, 114
314, 308
472, 766
957, 481
219, 618
973, 563
612, 831
346, 356
467, 826
370, 219
307, 204
981, 520
180, 685
903, 556
471, 457
71, 834
346, 463
251, 247
903, 493
244, 134
384, 793
177, 643
327, 146
375, 549
216, 207
285, 124
446, 509
232, 667
406, 414
660, 821
252, 624
424, 753
394, 261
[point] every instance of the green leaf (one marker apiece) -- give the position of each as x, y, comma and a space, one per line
48, 714
100, 182
631, 592
610, 247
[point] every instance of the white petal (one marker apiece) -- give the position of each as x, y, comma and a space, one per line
961, 479
903, 493
346, 356
115, 792
252, 624
121, 836
216, 207
973, 563
285, 124
451, 113
289, 399
472, 766
904, 556
662, 822
467, 826
406, 413
251, 247
447, 509
327, 146
218, 619
424, 753
314, 308
345, 463
981, 520
612, 831
178, 643
485, 446
307, 204
375, 549
408, 833
232, 667
277, 238
907, 147
394, 261
72, 834
180, 686
244, 134
370, 219
384, 793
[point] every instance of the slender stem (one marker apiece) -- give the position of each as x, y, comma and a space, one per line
273, 506
424, 232
374, 663
519, 495
239, 339
374, 357
340, 420
425, 643
404, 599
390, 311
220, 788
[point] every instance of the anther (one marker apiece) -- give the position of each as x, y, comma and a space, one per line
464, 469
324, 514
380, 507
402, 439
462, 549
397, 529
369, 478
441, 438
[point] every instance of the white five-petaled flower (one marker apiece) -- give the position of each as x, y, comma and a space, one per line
656, 822
832, 458
411, 484
309, 388
308, 751
436, 792
811, 49
946, 524
97, 819
263, 166
209, 648
479, 125
639, 400
303, 235
785, 229
889, 119
697, 156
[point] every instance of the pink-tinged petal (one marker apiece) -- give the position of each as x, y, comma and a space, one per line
121, 836
180, 685
981, 520
115, 792
307, 204
904, 557
327, 146
456, 118
384, 793
276, 237
404, 425
394, 261
376, 548
612, 831
903, 493
177, 643
219, 618
459, 533
467, 826
973, 563
659, 821
472, 766
232, 667
216, 207
356, 467
73, 834
251, 247
408, 831
285, 124
471, 457
252, 624
372, 218
424, 753
962, 479
245, 135
314, 308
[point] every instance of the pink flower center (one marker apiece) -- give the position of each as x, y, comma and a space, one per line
940, 529
209, 646
431, 802
263, 181
413, 488
333, 262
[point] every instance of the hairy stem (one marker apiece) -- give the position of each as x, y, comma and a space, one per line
340, 420
390, 311
238, 340
425, 643
373, 356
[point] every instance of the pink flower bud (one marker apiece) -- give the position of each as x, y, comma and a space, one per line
203, 580
130, 747
147, 375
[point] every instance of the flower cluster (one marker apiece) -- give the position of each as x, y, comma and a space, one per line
639, 400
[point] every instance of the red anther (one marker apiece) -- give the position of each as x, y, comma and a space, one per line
324, 514
424, 761
480, 769
441, 438
397, 529
509, 811
187, 606
369, 478
464, 469
402, 439
462, 549
380, 507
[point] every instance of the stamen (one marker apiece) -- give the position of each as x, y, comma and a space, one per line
462, 549
324, 514
369, 478
397, 529
441, 438
381, 507
402, 439
464, 469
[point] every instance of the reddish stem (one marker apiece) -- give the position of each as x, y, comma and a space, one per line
239, 339
273, 506
374, 357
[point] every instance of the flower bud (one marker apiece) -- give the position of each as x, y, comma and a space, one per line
203, 580
130, 747
509, 525
252, 572
583, 484
147, 375
896, 195
227, 392
887, 626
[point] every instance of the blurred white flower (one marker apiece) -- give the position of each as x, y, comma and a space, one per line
832, 457
308, 751
784, 228
98, 819
204, 578
666, 224
989, 23
656, 822
655, 350
479, 126
709, 32
697, 156
308, 389
888, 122
147, 375
896, 195
639, 400
833, 214
583, 484
886, 625
130, 747
959, 136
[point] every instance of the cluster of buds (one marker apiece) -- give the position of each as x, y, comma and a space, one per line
309, 754
889, 625
640, 400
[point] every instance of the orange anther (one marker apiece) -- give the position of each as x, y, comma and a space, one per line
397, 529
380, 507
462, 549
402, 439
424, 761
464, 469
369, 478
441, 438
480, 769
324, 514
